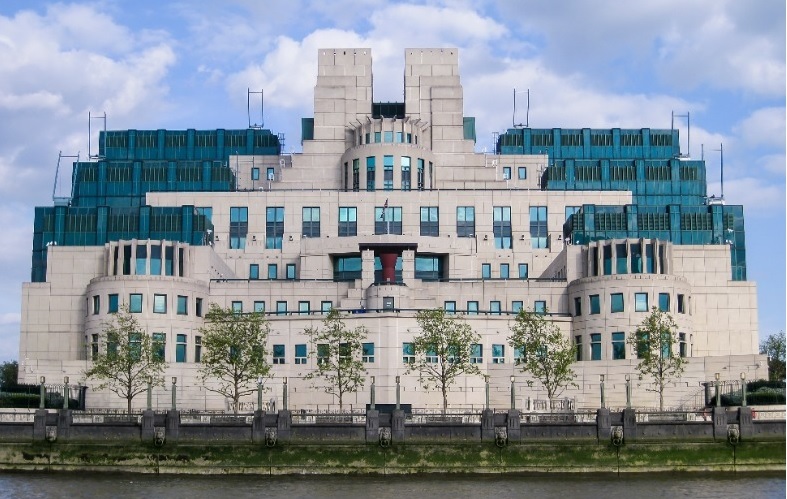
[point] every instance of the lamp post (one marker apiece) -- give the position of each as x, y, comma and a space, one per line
65, 392
513, 394
174, 392
486, 382
603, 404
743, 388
371, 402
41, 402
284, 395
150, 394
628, 391
716, 385
259, 393
397, 393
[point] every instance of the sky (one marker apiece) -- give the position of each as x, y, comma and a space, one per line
602, 64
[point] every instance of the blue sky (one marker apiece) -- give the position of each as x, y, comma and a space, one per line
600, 64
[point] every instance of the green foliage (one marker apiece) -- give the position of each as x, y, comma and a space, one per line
774, 348
548, 353
442, 351
9, 373
338, 352
235, 357
654, 341
129, 362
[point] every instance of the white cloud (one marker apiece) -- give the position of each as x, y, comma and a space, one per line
758, 196
764, 127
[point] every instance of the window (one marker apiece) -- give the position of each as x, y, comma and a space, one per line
516, 306
158, 346
681, 304
254, 271
290, 271
388, 164
96, 304
494, 307
180, 348
616, 302
300, 353
259, 307
278, 354
304, 307
571, 210
198, 349
449, 307
640, 302
348, 221
420, 174
239, 227
198, 307
378, 137
114, 304
431, 356
142, 259
636, 258
323, 353
465, 221
607, 256
367, 353
399, 137
255, 173
387, 136
538, 226
476, 354
664, 302
405, 160
501, 227
356, 176
621, 259
94, 347
237, 307
370, 168
577, 306
281, 308
503, 271
486, 271
310, 226
273, 271
523, 270
428, 267
643, 345
472, 308
430, 225
135, 303
274, 227
578, 347
521, 173
408, 353
595, 346
498, 354
506, 173
388, 220
682, 350
595, 305
270, 173
540, 307
618, 346
183, 305
519, 355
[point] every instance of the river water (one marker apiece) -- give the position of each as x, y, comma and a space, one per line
639, 486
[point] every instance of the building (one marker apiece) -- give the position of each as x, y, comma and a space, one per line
387, 210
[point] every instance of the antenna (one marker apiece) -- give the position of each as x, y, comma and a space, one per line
90, 119
526, 124
249, 93
688, 133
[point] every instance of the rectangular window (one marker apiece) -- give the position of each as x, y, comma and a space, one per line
578, 347
388, 164
348, 221
618, 346
254, 271
255, 173
607, 257
114, 304
270, 173
571, 210
486, 271
540, 307
183, 305
472, 308
595, 346
304, 307
408, 353
516, 306
135, 303
273, 271
326, 306
370, 170
198, 307
643, 345
142, 260
239, 227
430, 225
278, 354
94, 347
636, 258
494, 307
621, 259
158, 346
640, 302
595, 305
519, 355
506, 173
449, 307
259, 307
96, 304
503, 271
405, 160
300, 353
498, 354
290, 271
664, 302
388, 220
465, 221
681, 304
682, 344
367, 353
387, 136
237, 307
521, 173
577, 306
476, 354
356, 175
310, 226
198, 349
501, 227
180, 348
431, 356
281, 308
420, 174
616, 302
274, 227
523, 270
399, 137
538, 226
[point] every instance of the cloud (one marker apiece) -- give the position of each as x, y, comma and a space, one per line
764, 127
757, 195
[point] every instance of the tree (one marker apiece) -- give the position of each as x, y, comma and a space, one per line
235, 357
774, 347
654, 340
9, 373
130, 361
338, 351
443, 351
546, 353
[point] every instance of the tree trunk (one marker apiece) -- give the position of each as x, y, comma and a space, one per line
445, 400
128, 399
